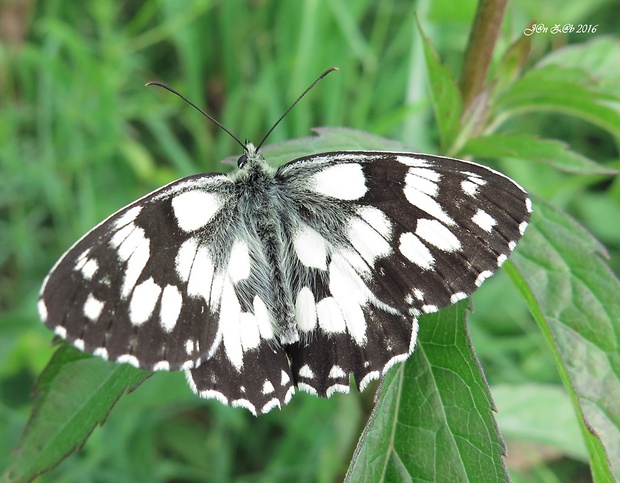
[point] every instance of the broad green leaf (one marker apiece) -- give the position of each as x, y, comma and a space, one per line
74, 394
574, 297
446, 96
598, 57
433, 420
325, 139
553, 153
566, 91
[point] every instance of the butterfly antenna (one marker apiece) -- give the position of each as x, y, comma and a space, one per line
211, 118
331, 69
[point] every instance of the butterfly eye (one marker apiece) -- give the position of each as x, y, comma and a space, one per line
241, 161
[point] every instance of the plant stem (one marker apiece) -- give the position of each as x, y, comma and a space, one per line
480, 48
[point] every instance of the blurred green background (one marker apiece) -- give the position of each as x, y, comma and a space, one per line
80, 137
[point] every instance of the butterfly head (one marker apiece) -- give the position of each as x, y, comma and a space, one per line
250, 154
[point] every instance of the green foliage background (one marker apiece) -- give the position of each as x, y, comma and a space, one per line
80, 137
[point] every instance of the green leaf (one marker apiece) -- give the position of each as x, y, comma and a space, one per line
447, 101
547, 151
573, 295
433, 420
553, 88
598, 57
74, 393
325, 139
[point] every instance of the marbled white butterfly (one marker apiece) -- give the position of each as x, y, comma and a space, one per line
266, 280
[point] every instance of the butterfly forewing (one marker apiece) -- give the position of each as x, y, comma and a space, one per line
124, 291
266, 280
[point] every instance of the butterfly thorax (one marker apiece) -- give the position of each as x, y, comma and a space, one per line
261, 208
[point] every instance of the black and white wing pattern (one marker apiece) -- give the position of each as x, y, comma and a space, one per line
263, 281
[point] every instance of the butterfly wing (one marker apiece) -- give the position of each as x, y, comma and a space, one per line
379, 239
126, 290
257, 285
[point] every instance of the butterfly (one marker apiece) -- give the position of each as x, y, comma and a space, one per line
264, 281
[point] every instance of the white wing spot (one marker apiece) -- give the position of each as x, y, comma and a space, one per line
200, 273
306, 372
42, 309
331, 319
289, 394
310, 247
268, 387
482, 277
79, 344
376, 219
340, 181
285, 379
101, 352
239, 263
194, 209
143, 301
128, 217
185, 258
367, 241
341, 388
411, 160
336, 372
350, 293
92, 308
418, 294
189, 346
274, 403
469, 188
512, 245
263, 319
457, 296
89, 269
437, 235
171, 303
371, 376
476, 178
425, 202
522, 227
429, 309
60, 331
307, 388
250, 333
528, 205
230, 314
134, 248
213, 394
501, 259
128, 359
305, 310
162, 366
424, 180
484, 220
415, 251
